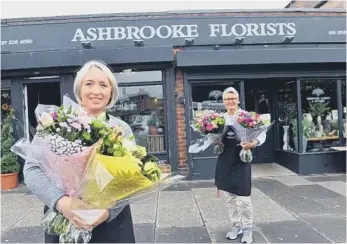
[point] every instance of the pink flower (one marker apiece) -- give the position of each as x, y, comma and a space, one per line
54, 115
209, 127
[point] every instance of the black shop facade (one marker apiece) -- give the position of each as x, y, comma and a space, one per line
173, 67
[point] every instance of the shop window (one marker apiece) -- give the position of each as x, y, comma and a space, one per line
130, 76
287, 113
5, 103
344, 109
142, 107
320, 114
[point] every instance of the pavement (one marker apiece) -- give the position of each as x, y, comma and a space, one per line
288, 208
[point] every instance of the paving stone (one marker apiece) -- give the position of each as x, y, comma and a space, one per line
21, 188
337, 204
29, 234
304, 206
22, 201
143, 213
11, 216
269, 170
32, 219
279, 191
336, 186
211, 207
332, 227
314, 192
178, 209
290, 232
218, 230
203, 184
144, 233
326, 177
293, 180
269, 211
8, 198
182, 235
257, 195
181, 186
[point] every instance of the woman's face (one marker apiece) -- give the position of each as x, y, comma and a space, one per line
96, 91
231, 101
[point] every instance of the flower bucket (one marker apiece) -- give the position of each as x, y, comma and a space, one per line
9, 181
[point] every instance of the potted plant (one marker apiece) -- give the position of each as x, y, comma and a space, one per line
306, 130
9, 160
152, 127
318, 110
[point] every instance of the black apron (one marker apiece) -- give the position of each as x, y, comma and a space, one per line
118, 230
232, 175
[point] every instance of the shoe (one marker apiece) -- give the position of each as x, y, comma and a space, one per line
234, 232
247, 235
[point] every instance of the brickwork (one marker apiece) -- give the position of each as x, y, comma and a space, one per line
180, 122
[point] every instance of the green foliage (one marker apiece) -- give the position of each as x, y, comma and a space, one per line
306, 127
318, 109
9, 160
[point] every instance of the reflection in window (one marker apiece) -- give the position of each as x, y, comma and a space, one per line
5, 103
207, 98
287, 112
320, 114
130, 76
142, 107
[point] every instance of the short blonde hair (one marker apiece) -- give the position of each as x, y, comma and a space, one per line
81, 74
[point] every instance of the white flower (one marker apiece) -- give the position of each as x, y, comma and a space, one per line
46, 120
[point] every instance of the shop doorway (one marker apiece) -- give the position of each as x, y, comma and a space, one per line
34, 94
205, 96
259, 97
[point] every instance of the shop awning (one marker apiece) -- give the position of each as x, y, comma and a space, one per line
65, 58
263, 55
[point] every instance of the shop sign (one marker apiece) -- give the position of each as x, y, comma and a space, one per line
171, 32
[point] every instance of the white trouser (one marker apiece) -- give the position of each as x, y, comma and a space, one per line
240, 209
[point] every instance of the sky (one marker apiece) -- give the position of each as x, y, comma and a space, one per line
29, 8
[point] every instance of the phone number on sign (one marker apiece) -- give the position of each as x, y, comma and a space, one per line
17, 42
340, 32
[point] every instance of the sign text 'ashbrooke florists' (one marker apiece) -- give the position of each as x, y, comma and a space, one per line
182, 31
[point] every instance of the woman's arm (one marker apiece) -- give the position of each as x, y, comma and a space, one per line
41, 185
261, 139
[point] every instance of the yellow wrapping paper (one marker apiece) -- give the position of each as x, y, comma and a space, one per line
110, 179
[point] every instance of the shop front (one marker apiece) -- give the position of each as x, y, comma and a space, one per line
171, 68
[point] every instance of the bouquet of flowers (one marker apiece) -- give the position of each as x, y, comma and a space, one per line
210, 126
248, 126
93, 162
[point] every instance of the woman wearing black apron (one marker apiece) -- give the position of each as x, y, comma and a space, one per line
233, 176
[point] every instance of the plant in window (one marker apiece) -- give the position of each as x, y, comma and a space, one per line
306, 132
318, 109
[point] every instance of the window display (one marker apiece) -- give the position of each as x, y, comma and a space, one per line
320, 114
287, 113
142, 107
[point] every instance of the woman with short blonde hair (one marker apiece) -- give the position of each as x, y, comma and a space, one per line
95, 89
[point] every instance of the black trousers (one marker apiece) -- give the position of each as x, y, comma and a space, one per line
118, 230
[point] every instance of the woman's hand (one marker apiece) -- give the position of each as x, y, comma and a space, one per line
64, 206
248, 145
84, 225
